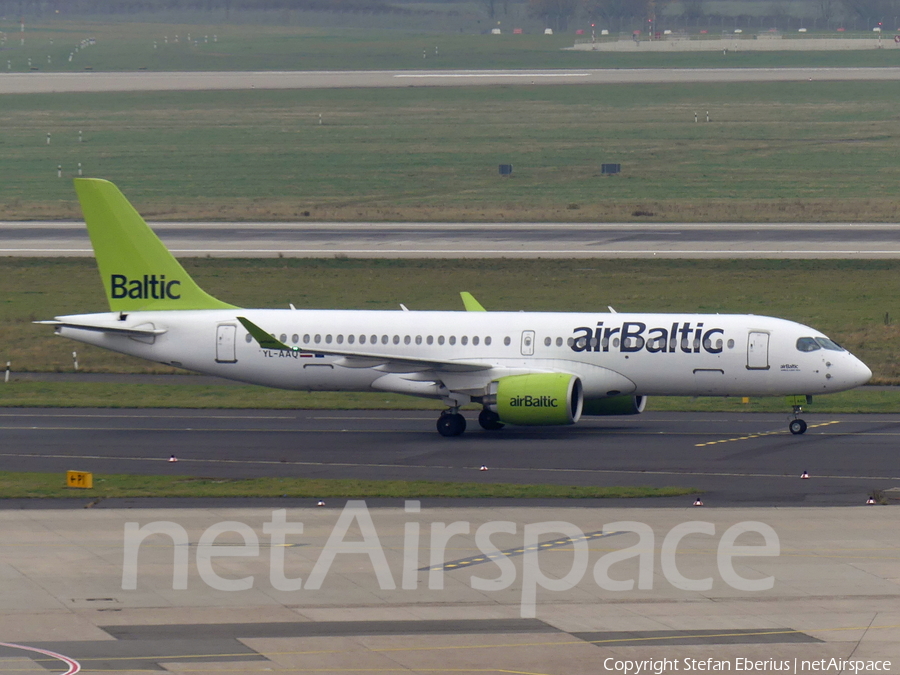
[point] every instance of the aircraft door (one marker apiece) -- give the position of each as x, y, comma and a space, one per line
758, 351
527, 343
225, 337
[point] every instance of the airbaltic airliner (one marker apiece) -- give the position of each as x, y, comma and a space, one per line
523, 368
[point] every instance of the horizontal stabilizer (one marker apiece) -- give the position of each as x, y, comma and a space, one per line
136, 331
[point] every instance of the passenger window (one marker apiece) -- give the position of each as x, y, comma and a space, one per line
506, 341
384, 339
374, 340
452, 340
559, 342
487, 340
351, 339
464, 340
807, 344
731, 344
548, 341
328, 339
418, 339
295, 338
429, 340
571, 342
440, 339
317, 339
249, 338
396, 339
407, 340
283, 338
306, 339
340, 339
475, 340
362, 339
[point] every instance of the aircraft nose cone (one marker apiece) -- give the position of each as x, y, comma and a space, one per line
862, 373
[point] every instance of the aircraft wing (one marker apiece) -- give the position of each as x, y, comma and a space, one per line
391, 363
136, 331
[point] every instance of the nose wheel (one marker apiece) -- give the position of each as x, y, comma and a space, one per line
451, 423
797, 426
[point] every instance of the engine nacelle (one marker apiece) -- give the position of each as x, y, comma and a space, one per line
536, 399
615, 405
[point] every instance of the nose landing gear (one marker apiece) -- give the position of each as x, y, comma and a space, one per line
797, 426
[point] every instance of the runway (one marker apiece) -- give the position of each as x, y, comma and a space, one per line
33, 83
483, 240
733, 459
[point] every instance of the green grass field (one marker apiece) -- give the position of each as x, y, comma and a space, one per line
48, 485
772, 152
848, 300
295, 46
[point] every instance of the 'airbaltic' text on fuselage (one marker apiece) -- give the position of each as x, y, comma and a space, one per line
533, 402
633, 336
148, 288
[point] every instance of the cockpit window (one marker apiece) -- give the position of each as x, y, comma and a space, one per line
807, 344
830, 344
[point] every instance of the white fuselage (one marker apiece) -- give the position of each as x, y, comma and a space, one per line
633, 354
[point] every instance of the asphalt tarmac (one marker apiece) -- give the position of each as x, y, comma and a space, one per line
486, 240
734, 459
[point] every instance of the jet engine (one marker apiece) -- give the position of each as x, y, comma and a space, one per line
536, 399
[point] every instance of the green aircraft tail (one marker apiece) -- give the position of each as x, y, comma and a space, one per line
137, 270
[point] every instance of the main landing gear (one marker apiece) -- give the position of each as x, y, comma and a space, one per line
797, 426
489, 420
451, 423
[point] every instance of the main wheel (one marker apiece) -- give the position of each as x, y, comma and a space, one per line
797, 427
451, 424
489, 420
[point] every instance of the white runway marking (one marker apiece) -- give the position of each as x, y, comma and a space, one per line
74, 666
489, 74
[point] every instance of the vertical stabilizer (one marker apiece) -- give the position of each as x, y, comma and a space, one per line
137, 270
